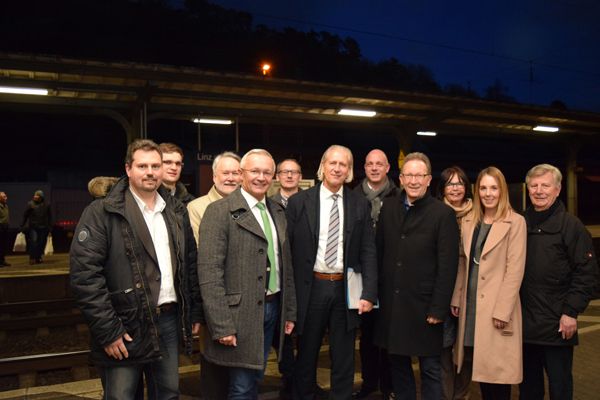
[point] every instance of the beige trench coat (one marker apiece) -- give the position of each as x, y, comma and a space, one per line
497, 353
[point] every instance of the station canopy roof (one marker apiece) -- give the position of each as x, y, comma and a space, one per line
92, 87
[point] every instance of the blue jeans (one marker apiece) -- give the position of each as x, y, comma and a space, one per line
403, 377
162, 376
37, 239
243, 382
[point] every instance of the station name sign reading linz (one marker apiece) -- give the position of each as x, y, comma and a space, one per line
205, 158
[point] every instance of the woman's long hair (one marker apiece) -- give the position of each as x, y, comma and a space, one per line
503, 202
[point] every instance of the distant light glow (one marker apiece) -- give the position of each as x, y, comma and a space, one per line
213, 121
357, 113
546, 129
426, 133
17, 90
266, 67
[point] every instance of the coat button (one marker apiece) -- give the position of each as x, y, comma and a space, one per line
397, 290
399, 263
482, 296
139, 285
260, 278
260, 251
260, 302
306, 282
483, 278
402, 236
158, 278
484, 258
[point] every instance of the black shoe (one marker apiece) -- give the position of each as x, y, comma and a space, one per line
321, 393
388, 395
362, 393
286, 391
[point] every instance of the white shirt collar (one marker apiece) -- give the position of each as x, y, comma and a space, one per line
251, 200
159, 203
326, 193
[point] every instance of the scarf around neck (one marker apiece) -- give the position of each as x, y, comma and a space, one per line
375, 196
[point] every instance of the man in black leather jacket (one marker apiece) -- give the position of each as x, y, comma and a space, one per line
134, 275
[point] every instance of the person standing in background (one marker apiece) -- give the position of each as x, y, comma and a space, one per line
39, 214
4, 224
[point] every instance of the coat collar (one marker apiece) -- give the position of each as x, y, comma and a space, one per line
497, 232
418, 204
553, 224
115, 198
241, 213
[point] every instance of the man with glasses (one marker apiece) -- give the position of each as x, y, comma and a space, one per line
331, 231
172, 157
375, 368
226, 178
214, 379
417, 250
245, 273
289, 175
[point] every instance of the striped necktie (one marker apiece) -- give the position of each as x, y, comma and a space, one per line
270, 248
333, 234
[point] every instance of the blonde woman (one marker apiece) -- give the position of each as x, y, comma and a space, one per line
486, 296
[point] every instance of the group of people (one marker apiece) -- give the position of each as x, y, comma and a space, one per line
473, 289
39, 214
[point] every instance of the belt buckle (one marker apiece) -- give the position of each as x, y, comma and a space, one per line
330, 277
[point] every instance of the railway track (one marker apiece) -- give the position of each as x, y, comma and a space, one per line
17, 323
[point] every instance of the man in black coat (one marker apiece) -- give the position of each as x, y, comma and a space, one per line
561, 273
418, 250
134, 275
330, 231
172, 157
376, 187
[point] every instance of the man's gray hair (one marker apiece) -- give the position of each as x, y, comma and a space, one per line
257, 151
541, 169
416, 156
331, 148
227, 154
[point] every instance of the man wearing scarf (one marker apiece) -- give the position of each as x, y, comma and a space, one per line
377, 187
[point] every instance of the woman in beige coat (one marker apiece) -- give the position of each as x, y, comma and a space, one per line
486, 296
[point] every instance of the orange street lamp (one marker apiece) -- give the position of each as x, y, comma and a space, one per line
265, 68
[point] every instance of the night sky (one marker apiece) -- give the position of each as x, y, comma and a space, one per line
541, 50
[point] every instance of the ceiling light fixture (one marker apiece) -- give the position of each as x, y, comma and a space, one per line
213, 121
426, 133
18, 90
357, 113
546, 129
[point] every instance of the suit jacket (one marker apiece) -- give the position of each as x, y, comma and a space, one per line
359, 246
232, 269
277, 197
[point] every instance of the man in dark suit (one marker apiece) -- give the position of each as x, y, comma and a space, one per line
245, 273
289, 175
330, 230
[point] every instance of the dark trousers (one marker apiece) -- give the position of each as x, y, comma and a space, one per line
3, 234
403, 377
214, 380
37, 238
557, 361
326, 309
286, 365
494, 391
455, 386
376, 367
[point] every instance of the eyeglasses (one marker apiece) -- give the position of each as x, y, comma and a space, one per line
255, 173
178, 164
458, 185
418, 178
293, 172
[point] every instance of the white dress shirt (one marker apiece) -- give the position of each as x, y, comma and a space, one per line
160, 238
251, 200
326, 202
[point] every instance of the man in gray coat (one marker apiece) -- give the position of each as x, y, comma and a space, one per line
246, 281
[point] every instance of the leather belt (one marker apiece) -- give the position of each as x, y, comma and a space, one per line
165, 307
329, 277
269, 298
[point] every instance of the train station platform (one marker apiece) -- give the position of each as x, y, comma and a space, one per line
586, 373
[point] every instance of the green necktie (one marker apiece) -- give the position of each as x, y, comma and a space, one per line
271, 248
